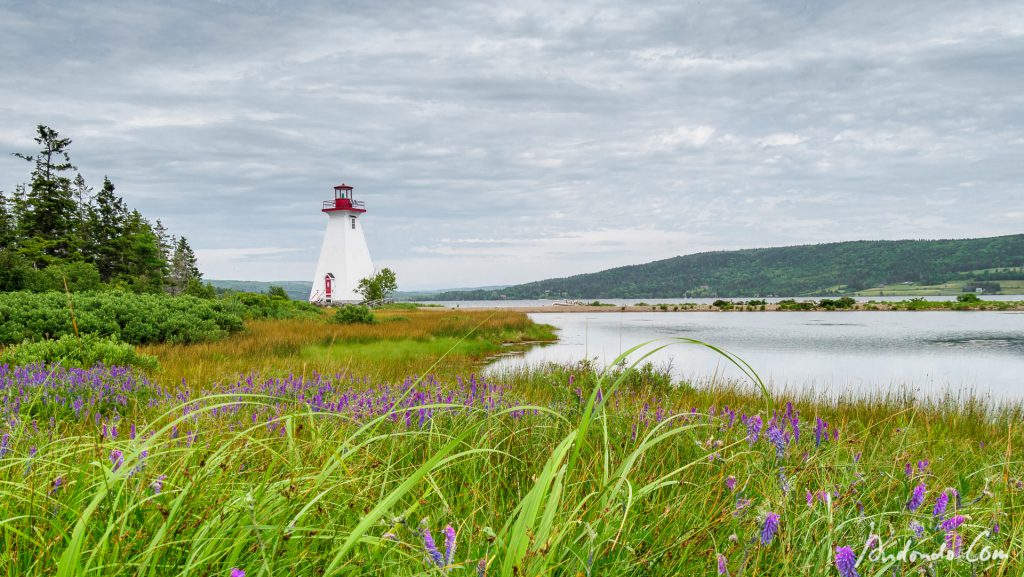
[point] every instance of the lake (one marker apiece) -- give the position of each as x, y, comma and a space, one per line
828, 352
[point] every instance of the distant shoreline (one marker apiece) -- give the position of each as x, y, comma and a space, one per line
997, 306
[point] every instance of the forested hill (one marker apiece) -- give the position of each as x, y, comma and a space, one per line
786, 271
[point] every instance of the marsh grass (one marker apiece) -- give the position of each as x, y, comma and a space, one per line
403, 341
574, 470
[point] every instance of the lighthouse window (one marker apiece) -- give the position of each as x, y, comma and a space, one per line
353, 219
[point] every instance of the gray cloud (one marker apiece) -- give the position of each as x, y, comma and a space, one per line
500, 144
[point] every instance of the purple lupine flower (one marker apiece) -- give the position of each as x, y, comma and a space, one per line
59, 482
754, 429
236, 572
722, 568
846, 562
116, 459
953, 542
730, 483
917, 497
158, 484
777, 438
4, 445
431, 547
873, 541
952, 523
917, 528
940, 504
769, 528
819, 429
449, 545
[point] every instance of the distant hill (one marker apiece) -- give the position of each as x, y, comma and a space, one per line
820, 269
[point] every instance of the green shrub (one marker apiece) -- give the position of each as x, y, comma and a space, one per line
351, 314
86, 352
968, 298
131, 318
265, 306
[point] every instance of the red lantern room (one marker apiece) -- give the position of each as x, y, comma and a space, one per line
343, 200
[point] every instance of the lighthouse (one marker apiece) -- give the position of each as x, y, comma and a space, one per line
344, 256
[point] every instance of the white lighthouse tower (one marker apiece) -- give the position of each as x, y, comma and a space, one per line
344, 257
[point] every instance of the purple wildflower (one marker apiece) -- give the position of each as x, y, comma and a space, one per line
940, 504
730, 482
917, 497
908, 470
431, 547
59, 482
995, 528
722, 568
754, 429
777, 438
846, 562
917, 528
449, 545
158, 484
952, 523
236, 572
116, 459
953, 542
770, 528
481, 567
819, 429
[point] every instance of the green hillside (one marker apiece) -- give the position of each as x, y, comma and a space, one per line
833, 268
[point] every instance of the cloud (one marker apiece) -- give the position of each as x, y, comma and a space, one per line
498, 144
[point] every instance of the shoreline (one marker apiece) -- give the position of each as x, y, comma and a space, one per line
768, 308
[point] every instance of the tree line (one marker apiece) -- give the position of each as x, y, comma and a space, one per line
56, 231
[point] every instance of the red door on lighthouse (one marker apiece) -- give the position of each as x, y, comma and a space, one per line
327, 287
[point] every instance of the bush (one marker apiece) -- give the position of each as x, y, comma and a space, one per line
352, 314
86, 352
722, 304
968, 298
131, 318
265, 306
81, 276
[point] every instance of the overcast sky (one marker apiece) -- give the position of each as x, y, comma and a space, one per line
497, 145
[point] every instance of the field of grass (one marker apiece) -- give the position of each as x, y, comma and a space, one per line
305, 449
1009, 287
404, 340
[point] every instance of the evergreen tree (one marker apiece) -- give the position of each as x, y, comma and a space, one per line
144, 264
108, 232
50, 209
184, 269
7, 224
81, 242
166, 241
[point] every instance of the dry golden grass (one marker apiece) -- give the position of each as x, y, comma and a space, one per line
276, 347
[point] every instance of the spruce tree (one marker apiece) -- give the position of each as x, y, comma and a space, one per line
50, 208
108, 230
184, 269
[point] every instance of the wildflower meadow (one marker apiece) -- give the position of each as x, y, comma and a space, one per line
559, 470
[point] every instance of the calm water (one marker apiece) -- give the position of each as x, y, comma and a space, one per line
829, 352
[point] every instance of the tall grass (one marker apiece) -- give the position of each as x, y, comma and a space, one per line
564, 470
